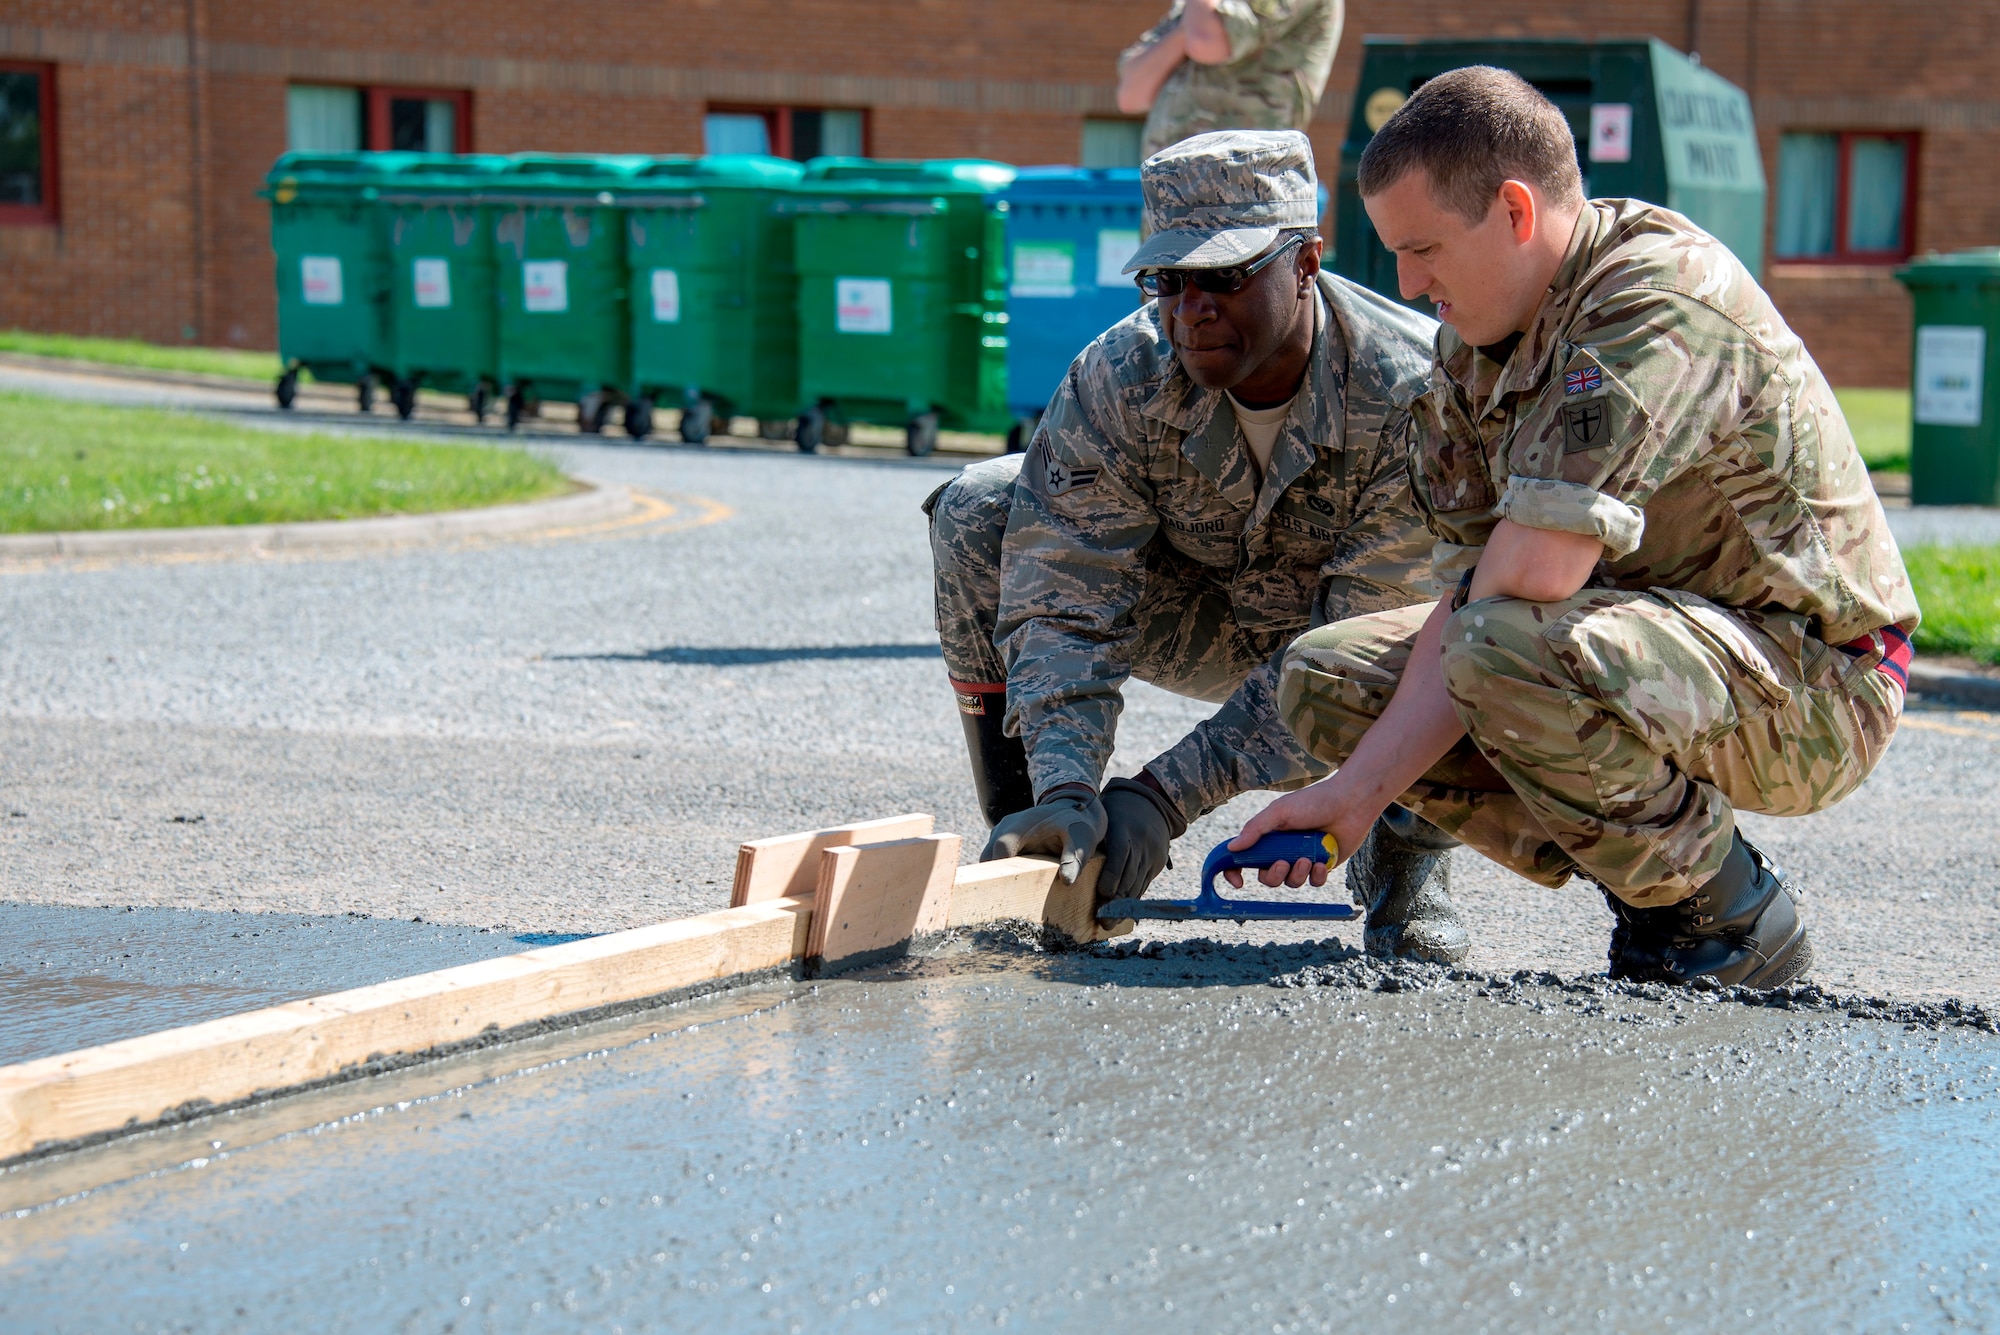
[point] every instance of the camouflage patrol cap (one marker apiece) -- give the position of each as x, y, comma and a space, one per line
1219, 199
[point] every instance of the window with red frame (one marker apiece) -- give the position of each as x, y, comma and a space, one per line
27, 143
799, 133
324, 118
1846, 197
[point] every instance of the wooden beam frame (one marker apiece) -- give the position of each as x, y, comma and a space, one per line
869, 900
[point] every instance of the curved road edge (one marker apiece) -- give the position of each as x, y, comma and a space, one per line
597, 503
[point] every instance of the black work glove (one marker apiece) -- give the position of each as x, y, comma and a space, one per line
1068, 822
1141, 824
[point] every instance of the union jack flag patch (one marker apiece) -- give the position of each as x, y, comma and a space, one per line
1582, 382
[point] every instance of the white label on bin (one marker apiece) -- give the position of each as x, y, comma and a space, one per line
545, 285
1115, 248
1044, 269
861, 306
1951, 365
666, 297
319, 277
432, 279
1611, 132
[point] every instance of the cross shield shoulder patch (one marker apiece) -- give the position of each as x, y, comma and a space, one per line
1586, 426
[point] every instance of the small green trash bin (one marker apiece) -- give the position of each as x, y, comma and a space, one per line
902, 297
559, 245
713, 294
335, 316
1955, 378
442, 260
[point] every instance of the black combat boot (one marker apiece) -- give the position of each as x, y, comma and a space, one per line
999, 762
1639, 941
1743, 927
1402, 875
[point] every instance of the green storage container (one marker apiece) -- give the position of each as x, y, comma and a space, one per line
442, 290
559, 245
335, 315
713, 295
1649, 124
1955, 378
902, 297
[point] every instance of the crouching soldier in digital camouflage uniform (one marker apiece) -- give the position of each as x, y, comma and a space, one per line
1211, 479
1676, 593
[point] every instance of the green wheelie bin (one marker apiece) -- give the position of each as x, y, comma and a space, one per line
713, 293
1955, 378
902, 297
335, 314
559, 247
442, 295
1649, 124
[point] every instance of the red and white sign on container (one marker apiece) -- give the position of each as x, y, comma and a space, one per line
666, 297
431, 280
861, 306
545, 286
1611, 132
319, 279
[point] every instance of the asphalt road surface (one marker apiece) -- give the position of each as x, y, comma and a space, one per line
300, 774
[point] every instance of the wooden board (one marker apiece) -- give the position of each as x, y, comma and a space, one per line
1029, 889
872, 898
138, 1081
787, 865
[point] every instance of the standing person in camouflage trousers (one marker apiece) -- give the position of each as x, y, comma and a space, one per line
1229, 65
1676, 593
1210, 480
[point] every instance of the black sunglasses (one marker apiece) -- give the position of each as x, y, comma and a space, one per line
1221, 282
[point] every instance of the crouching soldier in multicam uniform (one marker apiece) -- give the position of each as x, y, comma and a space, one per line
1676, 593
1211, 479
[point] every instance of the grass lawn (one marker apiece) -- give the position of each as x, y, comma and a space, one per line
66, 466
1959, 590
152, 356
1880, 420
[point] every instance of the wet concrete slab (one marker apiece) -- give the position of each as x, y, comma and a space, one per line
75, 977
1194, 1138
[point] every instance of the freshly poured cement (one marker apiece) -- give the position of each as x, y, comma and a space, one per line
73, 978
1075, 1142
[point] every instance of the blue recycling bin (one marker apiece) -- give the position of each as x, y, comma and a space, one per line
1069, 232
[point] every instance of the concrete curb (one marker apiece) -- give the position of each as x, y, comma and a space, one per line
596, 503
1963, 688
34, 361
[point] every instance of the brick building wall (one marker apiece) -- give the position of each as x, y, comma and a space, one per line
170, 111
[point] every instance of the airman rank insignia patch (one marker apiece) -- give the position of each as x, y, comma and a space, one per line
1062, 479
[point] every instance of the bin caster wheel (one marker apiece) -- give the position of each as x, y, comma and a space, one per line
697, 421
836, 433
920, 435
517, 407
364, 394
639, 418
810, 431
404, 395
288, 389
479, 401
774, 428
591, 412
1022, 433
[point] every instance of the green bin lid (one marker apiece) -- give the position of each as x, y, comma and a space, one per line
334, 176
747, 170
1956, 269
949, 175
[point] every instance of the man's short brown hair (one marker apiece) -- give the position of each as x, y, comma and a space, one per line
1471, 129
